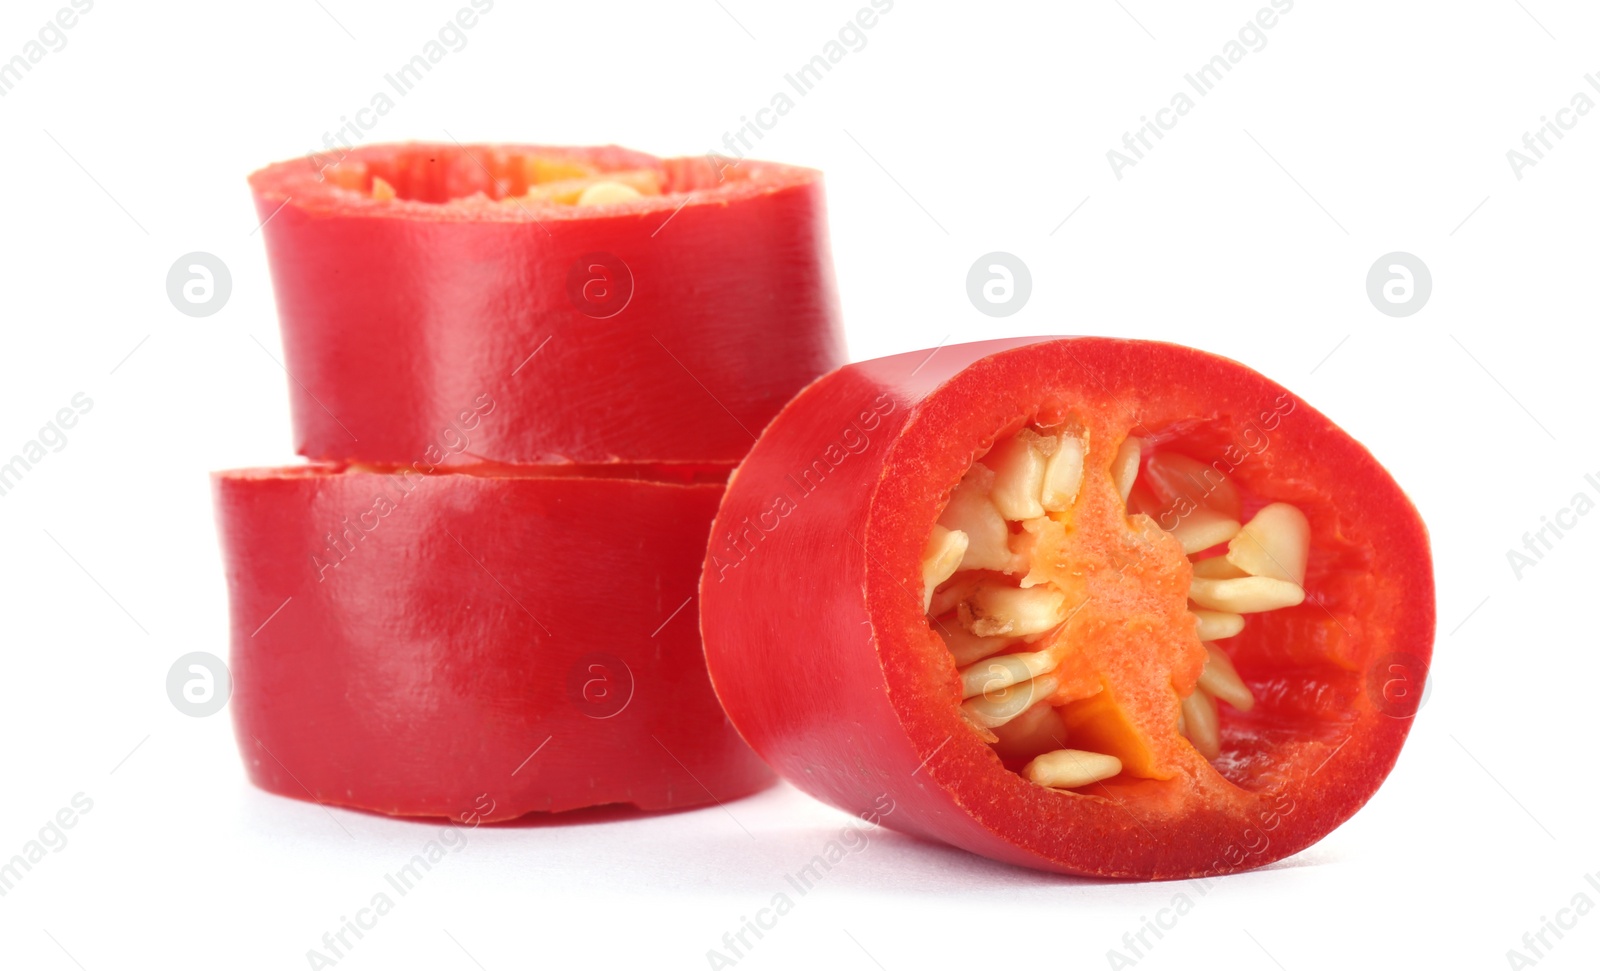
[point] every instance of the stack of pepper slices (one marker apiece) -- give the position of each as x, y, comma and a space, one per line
1097, 606
523, 376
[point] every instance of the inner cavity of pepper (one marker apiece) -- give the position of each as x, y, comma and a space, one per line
496, 178
1087, 585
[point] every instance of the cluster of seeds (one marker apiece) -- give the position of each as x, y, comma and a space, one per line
1004, 620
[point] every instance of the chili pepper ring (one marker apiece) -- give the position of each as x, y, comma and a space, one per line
489, 644
1098, 606
620, 307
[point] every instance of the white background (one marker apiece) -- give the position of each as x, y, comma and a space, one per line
1361, 128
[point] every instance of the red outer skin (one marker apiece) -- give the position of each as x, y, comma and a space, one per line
397, 316
414, 679
820, 653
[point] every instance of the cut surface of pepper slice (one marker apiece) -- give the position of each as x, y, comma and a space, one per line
685, 300
1104, 607
475, 646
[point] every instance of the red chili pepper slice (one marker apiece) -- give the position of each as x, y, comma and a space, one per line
477, 646
1097, 606
684, 300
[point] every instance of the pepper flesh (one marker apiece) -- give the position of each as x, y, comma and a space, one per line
414, 279
475, 646
840, 495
